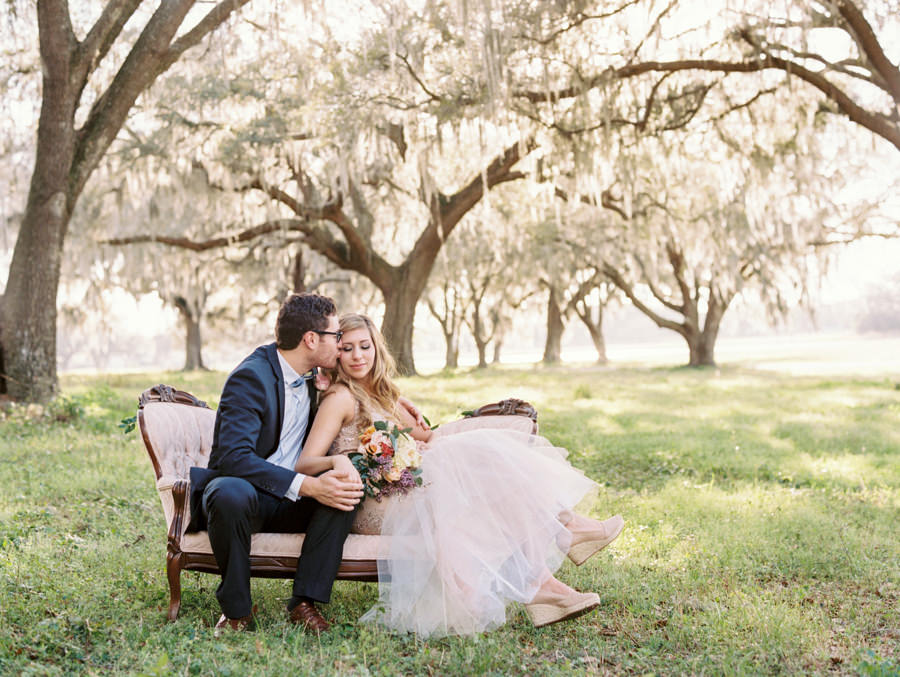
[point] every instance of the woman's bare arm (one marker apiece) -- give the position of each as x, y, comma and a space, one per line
413, 410
407, 421
337, 409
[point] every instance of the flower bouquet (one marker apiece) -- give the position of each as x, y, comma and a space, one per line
388, 460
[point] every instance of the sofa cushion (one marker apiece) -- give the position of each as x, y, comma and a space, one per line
356, 547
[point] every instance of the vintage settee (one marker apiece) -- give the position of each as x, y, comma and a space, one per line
177, 430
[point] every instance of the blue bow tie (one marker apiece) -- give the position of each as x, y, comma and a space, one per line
308, 376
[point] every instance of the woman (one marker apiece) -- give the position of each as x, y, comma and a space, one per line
491, 523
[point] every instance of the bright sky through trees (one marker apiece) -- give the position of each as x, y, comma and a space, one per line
345, 74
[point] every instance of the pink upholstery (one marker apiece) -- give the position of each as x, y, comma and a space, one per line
182, 437
519, 423
177, 429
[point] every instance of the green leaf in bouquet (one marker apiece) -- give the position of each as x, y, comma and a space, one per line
380, 425
359, 462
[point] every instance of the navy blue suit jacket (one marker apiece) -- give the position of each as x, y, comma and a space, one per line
247, 430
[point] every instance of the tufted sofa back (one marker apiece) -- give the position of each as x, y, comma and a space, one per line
177, 436
177, 429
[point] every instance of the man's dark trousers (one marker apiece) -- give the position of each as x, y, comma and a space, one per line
235, 510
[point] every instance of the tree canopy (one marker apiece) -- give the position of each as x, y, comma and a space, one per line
681, 158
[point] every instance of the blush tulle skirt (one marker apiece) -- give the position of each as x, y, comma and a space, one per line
482, 532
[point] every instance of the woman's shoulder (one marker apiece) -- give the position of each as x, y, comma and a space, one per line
340, 396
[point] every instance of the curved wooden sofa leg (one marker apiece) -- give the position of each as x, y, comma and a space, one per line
173, 572
174, 554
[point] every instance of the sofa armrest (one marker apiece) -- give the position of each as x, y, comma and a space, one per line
510, 414
508, 407
173, 493
522, 424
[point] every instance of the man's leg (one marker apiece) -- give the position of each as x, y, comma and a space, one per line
323, 547
232, 511
326, 530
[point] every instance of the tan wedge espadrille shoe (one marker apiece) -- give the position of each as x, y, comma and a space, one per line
586, 544
548, 609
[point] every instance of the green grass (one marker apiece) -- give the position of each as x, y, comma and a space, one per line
762, 536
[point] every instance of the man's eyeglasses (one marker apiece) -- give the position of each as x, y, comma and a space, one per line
337, 334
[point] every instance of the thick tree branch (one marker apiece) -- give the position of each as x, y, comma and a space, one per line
874, 122
57, 41
676, 260
213, 19
657, 292
100, 39
316, 238
357, 254
852, 68
449, 210
585, 288
576, 21
607, 201
150, 56
216, 242
619, 281
870, 46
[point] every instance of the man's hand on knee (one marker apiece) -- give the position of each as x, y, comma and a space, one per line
334, 490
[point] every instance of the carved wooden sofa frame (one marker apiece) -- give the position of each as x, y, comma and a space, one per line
177, 431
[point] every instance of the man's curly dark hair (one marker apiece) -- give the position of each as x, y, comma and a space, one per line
299, 314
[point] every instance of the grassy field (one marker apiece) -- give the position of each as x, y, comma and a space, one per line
762, 536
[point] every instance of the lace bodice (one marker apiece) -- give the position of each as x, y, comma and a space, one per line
347, 439
370, 514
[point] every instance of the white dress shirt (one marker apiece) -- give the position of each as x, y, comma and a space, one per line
293, 427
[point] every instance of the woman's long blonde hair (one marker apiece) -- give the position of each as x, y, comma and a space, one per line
380, 391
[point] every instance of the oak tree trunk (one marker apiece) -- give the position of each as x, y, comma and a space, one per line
555, 326
478, 333
29, 327
65, 158
2, 365
400, 300
193, 344
702, 344
482, 353
398, 330
451, 356
408, 280
595, 329
702, 349
498, 348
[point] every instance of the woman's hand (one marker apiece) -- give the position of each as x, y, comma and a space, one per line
344, 467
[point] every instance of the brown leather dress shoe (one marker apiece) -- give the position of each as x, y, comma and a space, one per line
226, 624
306, 614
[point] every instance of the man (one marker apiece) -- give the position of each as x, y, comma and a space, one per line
264, 415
